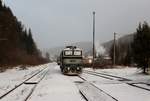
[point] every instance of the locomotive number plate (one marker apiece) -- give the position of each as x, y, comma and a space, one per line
72, 60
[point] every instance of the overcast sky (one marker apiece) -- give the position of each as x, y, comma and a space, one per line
59, 22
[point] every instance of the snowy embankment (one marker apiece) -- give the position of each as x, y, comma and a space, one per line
13, 77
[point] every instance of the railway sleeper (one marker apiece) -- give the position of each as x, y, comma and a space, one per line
30, 83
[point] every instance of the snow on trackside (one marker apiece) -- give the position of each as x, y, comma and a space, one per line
124, 92
92, 93
121, 71
19, 94
126, 72
12, 77
120, 90
56, 87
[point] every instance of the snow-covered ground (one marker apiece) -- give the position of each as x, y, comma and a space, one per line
126, 72
120, 90
58, 87
54, 87
13, 77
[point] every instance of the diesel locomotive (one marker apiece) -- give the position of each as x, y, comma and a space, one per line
70, 60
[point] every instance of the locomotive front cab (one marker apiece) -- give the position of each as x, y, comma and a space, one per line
71, 61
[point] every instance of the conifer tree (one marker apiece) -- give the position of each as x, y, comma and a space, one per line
47, 56
17, 44
0, 4
141, 46
31, 47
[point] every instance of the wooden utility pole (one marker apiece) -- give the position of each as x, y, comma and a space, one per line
114, 55
93, 39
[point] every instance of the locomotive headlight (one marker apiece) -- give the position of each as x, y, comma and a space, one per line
90, 61
78, 68
68, 68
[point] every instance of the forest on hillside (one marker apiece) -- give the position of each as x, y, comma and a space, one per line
17, 46
133, 49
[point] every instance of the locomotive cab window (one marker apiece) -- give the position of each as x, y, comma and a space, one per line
77, 53
68, 52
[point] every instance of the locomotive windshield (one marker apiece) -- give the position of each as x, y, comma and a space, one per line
77, 53
72, 53
68, 52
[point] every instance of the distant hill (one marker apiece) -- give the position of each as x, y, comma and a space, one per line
124, 39
87, 46
54, 52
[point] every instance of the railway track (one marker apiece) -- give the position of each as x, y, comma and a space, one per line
118, 78
30, 83
107, 76
91, 90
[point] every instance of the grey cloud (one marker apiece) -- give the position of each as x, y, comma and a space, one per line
57, 22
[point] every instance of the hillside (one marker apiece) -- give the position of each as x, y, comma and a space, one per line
87, 46
17, 45
124, 39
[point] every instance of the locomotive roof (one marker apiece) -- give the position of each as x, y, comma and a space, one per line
71, 49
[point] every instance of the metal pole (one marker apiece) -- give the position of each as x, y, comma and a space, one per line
114, 59
93, 38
